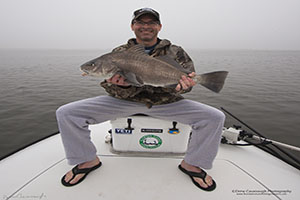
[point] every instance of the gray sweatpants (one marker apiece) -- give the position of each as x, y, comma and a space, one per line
73, 120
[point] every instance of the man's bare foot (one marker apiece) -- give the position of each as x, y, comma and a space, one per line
191, 168
88, 164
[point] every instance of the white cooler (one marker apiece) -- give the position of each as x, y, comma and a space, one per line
147, 134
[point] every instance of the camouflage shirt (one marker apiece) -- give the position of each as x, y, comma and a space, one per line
148, 94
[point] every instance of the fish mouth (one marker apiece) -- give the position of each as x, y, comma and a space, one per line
89, 72
84, 72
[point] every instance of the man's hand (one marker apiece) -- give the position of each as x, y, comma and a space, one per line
186, 82
118, 80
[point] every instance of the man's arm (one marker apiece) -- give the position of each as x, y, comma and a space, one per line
185, 83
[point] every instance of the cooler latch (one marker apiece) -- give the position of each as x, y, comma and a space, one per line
173, 130
129, 121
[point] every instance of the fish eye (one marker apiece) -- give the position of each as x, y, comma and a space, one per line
92, 64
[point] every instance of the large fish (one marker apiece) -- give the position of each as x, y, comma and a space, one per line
138, 69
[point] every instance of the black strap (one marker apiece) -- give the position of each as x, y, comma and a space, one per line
201, 174
76, 170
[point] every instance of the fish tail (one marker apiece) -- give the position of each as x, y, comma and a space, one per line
213, 80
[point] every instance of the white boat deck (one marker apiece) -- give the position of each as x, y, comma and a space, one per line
240, 173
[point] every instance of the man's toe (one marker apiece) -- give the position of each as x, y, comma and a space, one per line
208, 181
76, 178
68, 176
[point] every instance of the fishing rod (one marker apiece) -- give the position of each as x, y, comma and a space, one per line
263, 141
261, 136
277, 143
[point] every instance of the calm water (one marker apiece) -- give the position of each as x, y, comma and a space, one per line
262, 89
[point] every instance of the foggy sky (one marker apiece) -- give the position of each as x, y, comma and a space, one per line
201, 24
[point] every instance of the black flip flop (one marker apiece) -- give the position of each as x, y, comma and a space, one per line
77, 171
201, 175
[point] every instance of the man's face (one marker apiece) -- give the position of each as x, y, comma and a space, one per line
146, 28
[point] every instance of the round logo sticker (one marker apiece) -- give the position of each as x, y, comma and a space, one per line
150, 141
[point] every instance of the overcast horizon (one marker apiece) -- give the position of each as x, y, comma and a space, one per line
194, 24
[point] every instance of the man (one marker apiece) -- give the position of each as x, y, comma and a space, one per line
125, 100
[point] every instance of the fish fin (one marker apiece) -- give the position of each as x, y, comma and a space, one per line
171, 86
213, 80
167, 59
171, 61
131, 78
138, 49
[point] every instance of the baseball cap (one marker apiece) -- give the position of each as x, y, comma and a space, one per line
143, 11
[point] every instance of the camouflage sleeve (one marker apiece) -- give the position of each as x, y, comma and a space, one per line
122, 92
184, 60
120, 48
